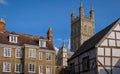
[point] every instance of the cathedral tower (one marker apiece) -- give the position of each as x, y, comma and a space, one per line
82, 28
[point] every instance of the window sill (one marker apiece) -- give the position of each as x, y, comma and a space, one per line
7, 56
6, 71
31, 72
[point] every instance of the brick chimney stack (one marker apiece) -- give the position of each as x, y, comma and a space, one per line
2, 24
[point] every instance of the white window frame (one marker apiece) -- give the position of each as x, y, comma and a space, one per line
32, 52
18, 53
13, 38
6, 67
40, 69
32, 65
42, 43
48, 69
40, 55
18, 66
48, 56
7, 52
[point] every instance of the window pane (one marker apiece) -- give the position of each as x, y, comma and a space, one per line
48, 56
19, 53
85, 63
40, 55
6, 67
13, 38
31, 68
42, 43
18, 68
32, 53
49, 70
7, 52
40, 69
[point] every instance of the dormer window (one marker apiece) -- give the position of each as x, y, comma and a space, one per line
13, 38
42, 43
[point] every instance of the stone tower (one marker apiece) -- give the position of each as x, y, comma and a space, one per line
62, 56
82, 28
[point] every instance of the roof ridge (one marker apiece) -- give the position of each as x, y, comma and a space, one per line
30, 35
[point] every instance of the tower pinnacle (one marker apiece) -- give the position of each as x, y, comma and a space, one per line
92, 13
81, 9
63, 44
72, 15
81, 5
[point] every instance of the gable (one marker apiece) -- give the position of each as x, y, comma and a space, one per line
112, 38
108, 51
117, 28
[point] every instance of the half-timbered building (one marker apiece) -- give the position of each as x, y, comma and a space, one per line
100, 54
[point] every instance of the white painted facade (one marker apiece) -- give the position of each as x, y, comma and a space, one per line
109, 53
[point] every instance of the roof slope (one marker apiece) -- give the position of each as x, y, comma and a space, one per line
24, 39
93, 41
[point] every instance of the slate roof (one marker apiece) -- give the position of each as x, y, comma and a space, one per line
24, 39
93, 41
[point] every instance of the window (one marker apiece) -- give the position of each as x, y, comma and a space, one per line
6, 67
72, 68
18, 53
48, 69
42, 43
85, 63
7, 52
48, 56
40, 70
18, 68
32, 53
31, 68
13, 38
40, 55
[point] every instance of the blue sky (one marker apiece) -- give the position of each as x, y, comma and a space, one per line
36, 16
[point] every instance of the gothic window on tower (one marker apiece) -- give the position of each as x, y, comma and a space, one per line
85, 29
85, 63
42, 43
13, 38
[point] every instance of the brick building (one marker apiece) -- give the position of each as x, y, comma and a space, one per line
25, 54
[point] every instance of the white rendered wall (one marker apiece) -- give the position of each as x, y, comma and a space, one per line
109, 53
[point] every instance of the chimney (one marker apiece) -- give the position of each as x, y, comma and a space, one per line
49, 34
2, 24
